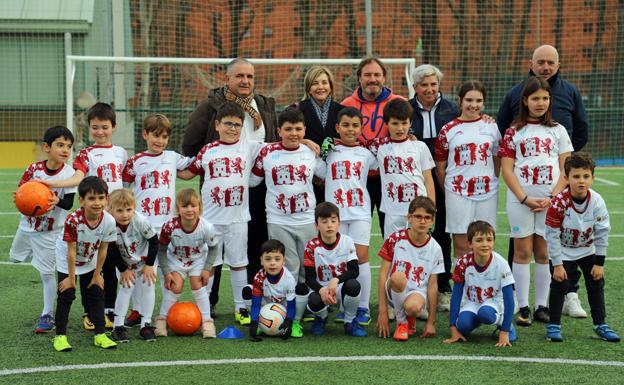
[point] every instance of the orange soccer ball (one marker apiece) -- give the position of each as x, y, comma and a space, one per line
184, 318
31, 198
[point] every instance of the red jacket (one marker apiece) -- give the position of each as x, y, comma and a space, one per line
373, 127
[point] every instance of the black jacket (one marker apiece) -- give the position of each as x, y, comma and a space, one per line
314, 129
444, 113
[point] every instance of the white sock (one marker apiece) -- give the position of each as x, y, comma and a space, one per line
522, 276
350, 307
203, 303
364, 278
301, 302
209, 285
239, 280
136, 296
49, 292
397, 300
169, 298
541, 282
323, 313
121, 304
146, 302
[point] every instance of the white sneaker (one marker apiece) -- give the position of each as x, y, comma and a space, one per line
208, 329
572, 306
161, 326
423, 315
444, 302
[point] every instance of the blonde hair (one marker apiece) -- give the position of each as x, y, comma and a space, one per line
156, 123
185, 196
312, 74
121, 198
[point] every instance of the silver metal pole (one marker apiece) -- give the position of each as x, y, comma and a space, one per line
369, 28
69, 82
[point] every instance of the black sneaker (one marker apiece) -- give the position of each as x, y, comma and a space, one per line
524, 317
147, 333
119, 334
542, 314
133, 319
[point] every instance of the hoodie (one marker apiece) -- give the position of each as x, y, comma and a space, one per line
373, 127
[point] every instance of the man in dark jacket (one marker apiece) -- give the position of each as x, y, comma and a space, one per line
568, 110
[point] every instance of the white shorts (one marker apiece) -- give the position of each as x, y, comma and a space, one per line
420, 292
461, 211
522, 221
41, 246
358, 230
232, 246
394, 223
193, 269
474, 307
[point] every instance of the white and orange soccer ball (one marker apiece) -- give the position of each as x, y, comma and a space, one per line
272, 316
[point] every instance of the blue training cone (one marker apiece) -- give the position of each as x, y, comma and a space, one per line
230, 333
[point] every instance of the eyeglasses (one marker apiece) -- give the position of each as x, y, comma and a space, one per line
421, 218
237, 126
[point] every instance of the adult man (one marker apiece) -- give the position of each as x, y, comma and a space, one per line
260, 125
568, 110
370, 98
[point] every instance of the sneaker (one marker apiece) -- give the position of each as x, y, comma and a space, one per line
411, 326
119, 334
101, 340
444, 302
423, 315
542, 314
354, 329
86, 322
553, 333
524, 317
161, 326
318, 326
606, 333
208, 329
297, 330
133, 319
363, 316
513, 335
339, 318
572, 306
308, 316
391, 313
45, 324
147, 333
109, 319
242, 316
401, 333
60, 343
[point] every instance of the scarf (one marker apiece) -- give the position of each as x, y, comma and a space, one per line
322, 111
245, 104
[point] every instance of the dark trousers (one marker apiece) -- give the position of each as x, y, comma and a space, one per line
94, 297
595, 290
109, 272
373, 185
257, 233
442, 237
216, 281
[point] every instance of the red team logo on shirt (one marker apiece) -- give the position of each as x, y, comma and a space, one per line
540, 175
465, 154
345, 170
413, 273
232, 196
484, 149
41, 223
158, 206
353, 197
294, 204
398, 165
402, 192
576, 238
225, 167
155, 179
287, 174
109, 172
479, 295
535, 146
87, 250
327, 272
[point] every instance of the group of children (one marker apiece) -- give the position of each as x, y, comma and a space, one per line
317, 255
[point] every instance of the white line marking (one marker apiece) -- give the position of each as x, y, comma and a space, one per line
606, 181
454, 358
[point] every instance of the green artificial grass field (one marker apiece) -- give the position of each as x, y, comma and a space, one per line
331, 359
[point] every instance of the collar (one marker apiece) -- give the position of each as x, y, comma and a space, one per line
422, 108
551, 80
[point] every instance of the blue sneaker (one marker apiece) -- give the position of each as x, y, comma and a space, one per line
606, 333
354, 329
553, 333
318, 326
513, 335
363, 316
45, 324
339, 318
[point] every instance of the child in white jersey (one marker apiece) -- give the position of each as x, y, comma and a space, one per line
187, 250
532, 155
36, 236
577, 230
410, 262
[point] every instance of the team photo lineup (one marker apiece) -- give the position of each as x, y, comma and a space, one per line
285, 201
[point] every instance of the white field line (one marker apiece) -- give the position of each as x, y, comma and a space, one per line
606, 181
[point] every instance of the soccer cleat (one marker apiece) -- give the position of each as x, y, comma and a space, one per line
318, 326
411, 326
133, 319
423, 315
572, 306
161, 326
308, 316
119, 334
606, 333
147, 333
444, 302
86, 322
524, 317
208, 329
363, 316
354, 329
401, 332
242, 316
297, 330
391, 313
60, 343
542, 314
339, 318
45, 324
101, 340
553, 333
109, 318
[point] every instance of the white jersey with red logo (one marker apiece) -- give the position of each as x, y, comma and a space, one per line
184, 248
401, 166
573, 230
345, 180
133, 242
88, 240
226, 168
154, 178
329, 262
468, 148
288, 176
280, 292
535, 149
418, 263
54, 219
105, 162
485, 283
